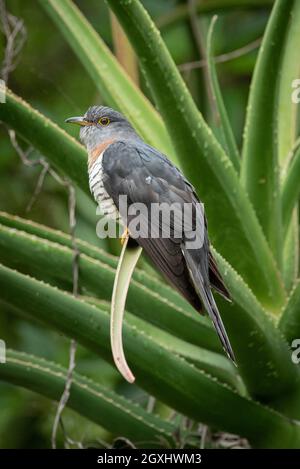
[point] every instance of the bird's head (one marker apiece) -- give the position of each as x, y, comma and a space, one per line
100, 124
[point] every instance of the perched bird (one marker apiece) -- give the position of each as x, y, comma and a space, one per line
120, 163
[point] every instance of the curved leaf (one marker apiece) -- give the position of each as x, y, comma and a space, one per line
165, 375
290, 186
232, 220
287, 124
213, 363
181, 11
54, 264
127, 262
63, 151
95, 402
226, 131
99, 254
290, 318
112, 81
262, 354
260, 171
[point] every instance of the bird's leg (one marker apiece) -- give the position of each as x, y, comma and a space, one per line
124, 236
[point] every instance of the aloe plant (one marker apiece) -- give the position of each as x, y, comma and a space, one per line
251, 199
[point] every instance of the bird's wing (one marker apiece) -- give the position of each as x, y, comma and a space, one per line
147, 177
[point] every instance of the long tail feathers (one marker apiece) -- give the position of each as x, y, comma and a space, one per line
213, 312
202, 288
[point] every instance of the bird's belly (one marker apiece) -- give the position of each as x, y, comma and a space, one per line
105, 202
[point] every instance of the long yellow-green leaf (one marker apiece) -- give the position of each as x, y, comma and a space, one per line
95, 402
112, 81
226, 131
41, 231
290, 317
260, 171
231, 218
165, 375
261, 353
127, 262
53, 262
181, 11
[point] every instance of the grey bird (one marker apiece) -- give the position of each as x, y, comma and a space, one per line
120, 163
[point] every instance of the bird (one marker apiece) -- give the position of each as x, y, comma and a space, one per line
121, 163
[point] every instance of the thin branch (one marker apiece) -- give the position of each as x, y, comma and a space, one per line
24, 156
15, 33
203, 431
39, 186
200, 44
223, 57
66, 394
73, 346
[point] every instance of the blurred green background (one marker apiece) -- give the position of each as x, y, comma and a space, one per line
51, 79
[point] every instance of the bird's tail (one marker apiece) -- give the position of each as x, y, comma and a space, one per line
202, 288
213, 312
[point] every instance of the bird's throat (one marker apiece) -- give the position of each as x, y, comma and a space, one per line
97, 151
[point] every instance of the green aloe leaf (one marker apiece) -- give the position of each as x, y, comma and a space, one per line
249, 328
165, 375
290, 185
95, 402
53, 262
226, 131
289, 205
44, 232
290, 318
62, 151
213, 363
69, 157
181, 11
127, 262
291, 253
49, 258
287, 131
227, 205
262, 354
112, 81
260, 171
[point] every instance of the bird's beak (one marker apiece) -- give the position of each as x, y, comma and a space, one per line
77, 120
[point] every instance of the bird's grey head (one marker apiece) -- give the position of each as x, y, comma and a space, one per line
101, 124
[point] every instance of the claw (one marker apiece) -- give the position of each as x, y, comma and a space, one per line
124, 236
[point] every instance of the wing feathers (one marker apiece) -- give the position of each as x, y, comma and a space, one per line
146, 176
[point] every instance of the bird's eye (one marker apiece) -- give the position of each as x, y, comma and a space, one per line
104, 121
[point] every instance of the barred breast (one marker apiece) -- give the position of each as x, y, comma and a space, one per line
105, 202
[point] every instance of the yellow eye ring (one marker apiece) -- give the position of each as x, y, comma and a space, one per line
104, 121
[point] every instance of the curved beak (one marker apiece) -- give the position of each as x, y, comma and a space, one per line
77, 120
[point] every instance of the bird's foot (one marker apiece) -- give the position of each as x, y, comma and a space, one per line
124, 236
